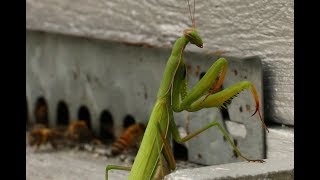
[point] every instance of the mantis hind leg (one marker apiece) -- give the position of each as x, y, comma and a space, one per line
168, 152
166, 159
176, 136
109, 167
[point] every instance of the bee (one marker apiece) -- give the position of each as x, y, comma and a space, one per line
78, 131
131, 137
44, 135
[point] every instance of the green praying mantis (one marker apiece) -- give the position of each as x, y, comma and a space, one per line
155, 158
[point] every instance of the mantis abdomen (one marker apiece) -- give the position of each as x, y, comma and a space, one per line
149, 154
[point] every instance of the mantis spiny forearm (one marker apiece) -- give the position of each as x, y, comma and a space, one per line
154, 159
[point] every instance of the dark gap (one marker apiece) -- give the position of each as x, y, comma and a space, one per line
106, 127
234, 152
41, 112
180, 151
201, 75
225, 113
84, 114
128, 121
225, 116
235, 72
271, 124
27, 117
62, 114
224, 138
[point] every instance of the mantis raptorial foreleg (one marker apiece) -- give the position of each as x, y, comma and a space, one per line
192, 101
199, 90
215, 88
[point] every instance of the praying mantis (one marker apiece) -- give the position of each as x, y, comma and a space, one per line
155, 158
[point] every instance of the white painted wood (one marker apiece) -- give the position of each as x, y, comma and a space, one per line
240, 27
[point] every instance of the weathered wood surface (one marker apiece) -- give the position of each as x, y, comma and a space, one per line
82, 165
239, 27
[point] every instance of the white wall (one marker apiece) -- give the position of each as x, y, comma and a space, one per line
239, 27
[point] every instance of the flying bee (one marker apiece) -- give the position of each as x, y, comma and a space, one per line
78, 131
44, 135
131, 138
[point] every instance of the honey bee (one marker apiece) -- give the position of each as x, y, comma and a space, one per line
131, 137
44, 135
78, 131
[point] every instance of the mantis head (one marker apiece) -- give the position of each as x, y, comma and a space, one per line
193, 36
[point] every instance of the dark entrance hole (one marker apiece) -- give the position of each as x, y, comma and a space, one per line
128, 121
62, 113
41, 111
180, 151
84, 114
106, 126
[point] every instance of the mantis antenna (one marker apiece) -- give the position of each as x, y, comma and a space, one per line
192, 17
